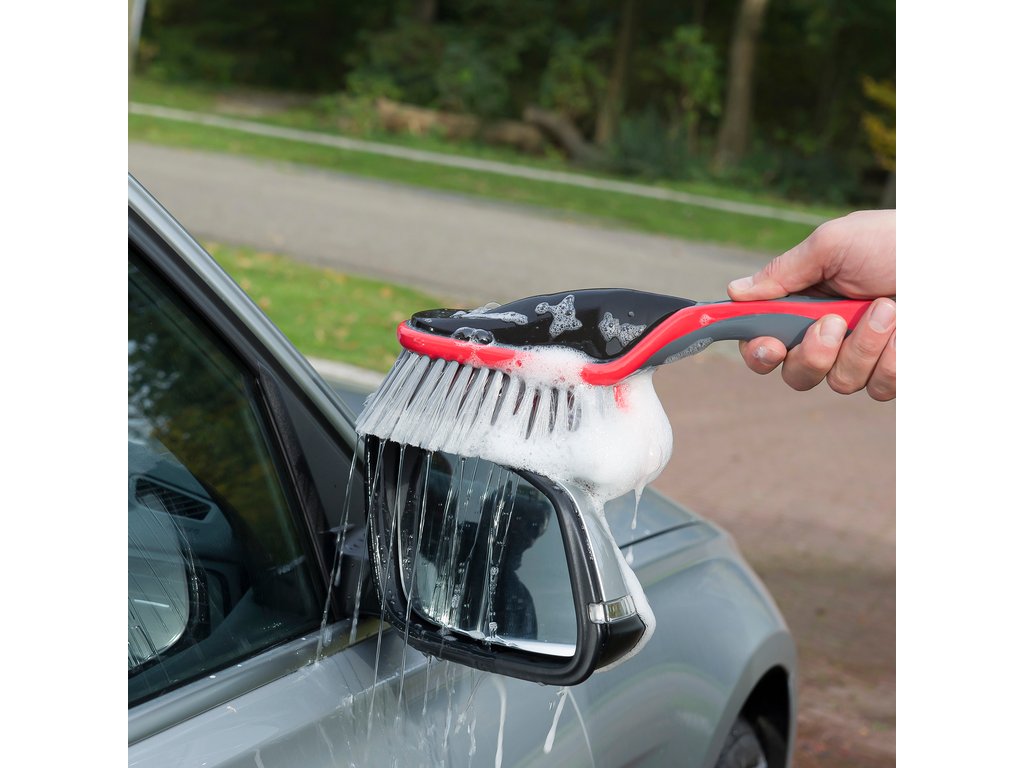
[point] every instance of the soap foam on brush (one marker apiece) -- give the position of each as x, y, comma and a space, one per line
620, 442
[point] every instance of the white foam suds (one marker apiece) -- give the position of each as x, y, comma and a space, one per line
563, 315
549, 742
612, 328
607, 440
509, 317
643, 609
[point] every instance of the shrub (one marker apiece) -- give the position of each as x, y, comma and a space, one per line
574, 78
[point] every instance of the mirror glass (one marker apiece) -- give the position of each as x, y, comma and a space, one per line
482, 555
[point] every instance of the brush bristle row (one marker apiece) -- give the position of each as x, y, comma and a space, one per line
439, 405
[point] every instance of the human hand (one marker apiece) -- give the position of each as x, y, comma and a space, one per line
852, 257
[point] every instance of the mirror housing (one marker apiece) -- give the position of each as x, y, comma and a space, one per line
402, 504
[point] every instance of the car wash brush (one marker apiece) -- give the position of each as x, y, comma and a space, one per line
561, 384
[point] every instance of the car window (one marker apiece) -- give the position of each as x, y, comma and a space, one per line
217, 567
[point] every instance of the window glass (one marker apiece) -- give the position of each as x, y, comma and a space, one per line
217, 569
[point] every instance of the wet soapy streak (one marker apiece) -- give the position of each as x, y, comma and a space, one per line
499, 684
564, 693
358, 601
549, 742
399, 504
339, 549
412, 577
496, 540
476, 538
448, 523
426, 685
583, 726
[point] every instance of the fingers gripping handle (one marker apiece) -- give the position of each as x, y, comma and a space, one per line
784, 319
694, 329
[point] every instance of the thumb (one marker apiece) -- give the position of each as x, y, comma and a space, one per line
798, 268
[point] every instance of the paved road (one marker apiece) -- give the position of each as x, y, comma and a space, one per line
454, 246
804, 481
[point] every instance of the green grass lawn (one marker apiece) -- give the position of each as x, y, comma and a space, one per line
654, 216
325, 313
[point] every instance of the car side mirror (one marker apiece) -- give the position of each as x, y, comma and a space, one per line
494, 568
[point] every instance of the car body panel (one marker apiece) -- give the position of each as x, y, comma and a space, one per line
663, 706
718, 634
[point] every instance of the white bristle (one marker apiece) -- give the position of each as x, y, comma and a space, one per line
545, 419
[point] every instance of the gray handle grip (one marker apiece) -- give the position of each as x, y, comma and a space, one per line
789, 329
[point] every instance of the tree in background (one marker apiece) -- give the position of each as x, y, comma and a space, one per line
298, 45
136, 13
472, 79
734, 131
570, 90
573, 81
611, 105
691, 64
399, 62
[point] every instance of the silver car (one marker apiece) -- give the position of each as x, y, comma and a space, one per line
291, 601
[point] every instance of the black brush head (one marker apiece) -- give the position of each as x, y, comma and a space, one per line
603, 323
